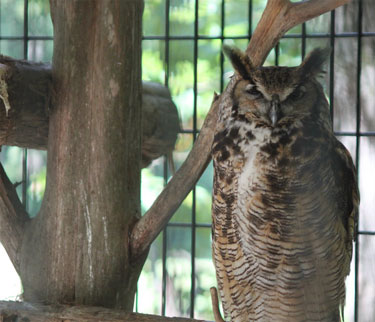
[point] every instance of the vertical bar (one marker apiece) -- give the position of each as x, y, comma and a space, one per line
303, 42
250, 18
166, 53
25, 27
194, 201
277, 54
357, 136
24, 153
164, 255
332, 36
166, 82
24, 178
136, 300
222, 41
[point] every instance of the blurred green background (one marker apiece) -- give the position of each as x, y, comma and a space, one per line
179, 261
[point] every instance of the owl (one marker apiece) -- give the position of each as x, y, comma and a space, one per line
285, 196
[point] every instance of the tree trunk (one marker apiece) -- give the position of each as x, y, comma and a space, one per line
76, 250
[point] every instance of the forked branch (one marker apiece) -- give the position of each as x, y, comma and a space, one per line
278, 17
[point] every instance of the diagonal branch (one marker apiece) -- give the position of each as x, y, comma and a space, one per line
13, 218
155, 219
278, 17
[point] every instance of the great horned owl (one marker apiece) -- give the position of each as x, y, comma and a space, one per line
285, 197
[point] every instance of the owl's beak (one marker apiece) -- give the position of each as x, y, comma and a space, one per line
274, 112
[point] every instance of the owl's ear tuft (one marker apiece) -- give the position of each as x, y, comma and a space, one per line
313, 64
240, 61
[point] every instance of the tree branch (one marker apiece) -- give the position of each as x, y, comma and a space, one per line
278, 17
23, 311
155, 219
13, 218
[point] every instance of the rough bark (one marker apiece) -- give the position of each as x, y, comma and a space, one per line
29, 89
76, 249
16, 311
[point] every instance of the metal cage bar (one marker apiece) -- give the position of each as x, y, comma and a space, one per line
166, 82
25, 53
357, 151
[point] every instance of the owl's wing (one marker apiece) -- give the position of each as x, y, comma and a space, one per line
346, 181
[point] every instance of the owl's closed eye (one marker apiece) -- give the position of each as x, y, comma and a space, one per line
278, 92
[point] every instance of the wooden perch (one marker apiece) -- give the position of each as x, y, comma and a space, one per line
23, 311
30, 100
279, 16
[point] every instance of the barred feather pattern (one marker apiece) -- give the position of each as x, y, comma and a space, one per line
285, 204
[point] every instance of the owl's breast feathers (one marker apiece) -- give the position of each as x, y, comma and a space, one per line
285, 205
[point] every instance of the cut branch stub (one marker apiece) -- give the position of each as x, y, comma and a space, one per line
29, 92
278, 17
4, 87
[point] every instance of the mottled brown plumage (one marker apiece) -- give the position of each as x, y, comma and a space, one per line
285, 197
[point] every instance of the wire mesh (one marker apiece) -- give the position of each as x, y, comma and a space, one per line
186, 283
304, 37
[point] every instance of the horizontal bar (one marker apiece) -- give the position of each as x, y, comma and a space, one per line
187, 225
203, 37
369, 133
202, 225
366, 232
26, 38
297, 36
364, 134
188, 131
